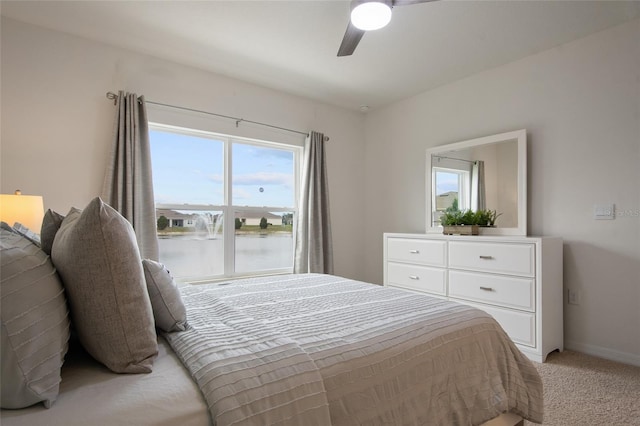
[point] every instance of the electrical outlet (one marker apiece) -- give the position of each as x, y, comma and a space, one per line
574, 297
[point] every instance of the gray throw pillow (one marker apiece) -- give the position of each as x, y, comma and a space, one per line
168, 309
50, 225
97, 257
35, 324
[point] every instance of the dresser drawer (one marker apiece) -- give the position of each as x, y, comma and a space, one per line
421, 278
501, 290
502, 258
520, 326
425, 252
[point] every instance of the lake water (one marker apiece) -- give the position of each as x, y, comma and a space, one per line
186, 256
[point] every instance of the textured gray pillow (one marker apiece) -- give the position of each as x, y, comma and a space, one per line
50, 225
35, 324
97, 257
168, 309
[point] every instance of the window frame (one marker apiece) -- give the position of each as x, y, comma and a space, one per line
228, 209
464, 185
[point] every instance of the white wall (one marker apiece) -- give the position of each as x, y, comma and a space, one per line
580, 104
57, 122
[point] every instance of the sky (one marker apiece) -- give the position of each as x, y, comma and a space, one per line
189, 169
446, 182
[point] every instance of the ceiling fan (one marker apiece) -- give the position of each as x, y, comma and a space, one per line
368, 15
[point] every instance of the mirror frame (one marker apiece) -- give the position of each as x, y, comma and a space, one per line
520, 136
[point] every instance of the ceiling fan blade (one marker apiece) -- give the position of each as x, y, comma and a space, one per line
350, 40
353, 35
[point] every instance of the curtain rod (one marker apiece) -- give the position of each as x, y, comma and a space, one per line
114, 97
457, 159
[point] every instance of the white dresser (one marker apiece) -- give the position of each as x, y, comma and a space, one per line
518, 280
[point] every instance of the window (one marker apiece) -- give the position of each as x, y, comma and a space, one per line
200, 180
450, 188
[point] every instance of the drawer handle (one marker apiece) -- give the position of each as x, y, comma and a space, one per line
414, 251
486, 288
414, 277
486, 257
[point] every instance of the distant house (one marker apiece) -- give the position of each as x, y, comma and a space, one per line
253, 218
185, 220
193, 220
176, 219
445, 200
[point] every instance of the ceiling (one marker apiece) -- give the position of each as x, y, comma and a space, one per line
291, 45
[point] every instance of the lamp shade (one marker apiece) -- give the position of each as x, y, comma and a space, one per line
25, 209
371, 15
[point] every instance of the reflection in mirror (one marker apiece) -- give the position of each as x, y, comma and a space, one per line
481, 174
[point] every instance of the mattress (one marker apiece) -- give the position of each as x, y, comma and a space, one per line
92, 395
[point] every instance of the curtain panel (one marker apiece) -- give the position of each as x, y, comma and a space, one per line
478, 197
313, 252
128, 184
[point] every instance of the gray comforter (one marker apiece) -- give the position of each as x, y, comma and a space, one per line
323, 350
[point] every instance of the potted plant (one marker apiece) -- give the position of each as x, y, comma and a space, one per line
467, 222
486, 218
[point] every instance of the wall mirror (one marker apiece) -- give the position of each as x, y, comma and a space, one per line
488, 173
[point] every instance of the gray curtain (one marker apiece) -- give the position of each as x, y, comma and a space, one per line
313, 236
478, 198
128, 186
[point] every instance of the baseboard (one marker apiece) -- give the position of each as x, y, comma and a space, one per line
610, 354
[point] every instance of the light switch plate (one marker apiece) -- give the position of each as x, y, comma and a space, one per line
604, 211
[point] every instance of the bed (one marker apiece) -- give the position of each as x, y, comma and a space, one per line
92, 395
359, 335
307, 349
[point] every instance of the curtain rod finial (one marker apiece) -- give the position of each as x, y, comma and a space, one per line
113, 97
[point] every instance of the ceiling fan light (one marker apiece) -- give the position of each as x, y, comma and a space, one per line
371, 15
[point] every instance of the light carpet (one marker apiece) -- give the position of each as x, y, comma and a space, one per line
584, 390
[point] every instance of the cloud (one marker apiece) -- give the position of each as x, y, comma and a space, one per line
263, 178
264, 153
217, 178
242, 194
